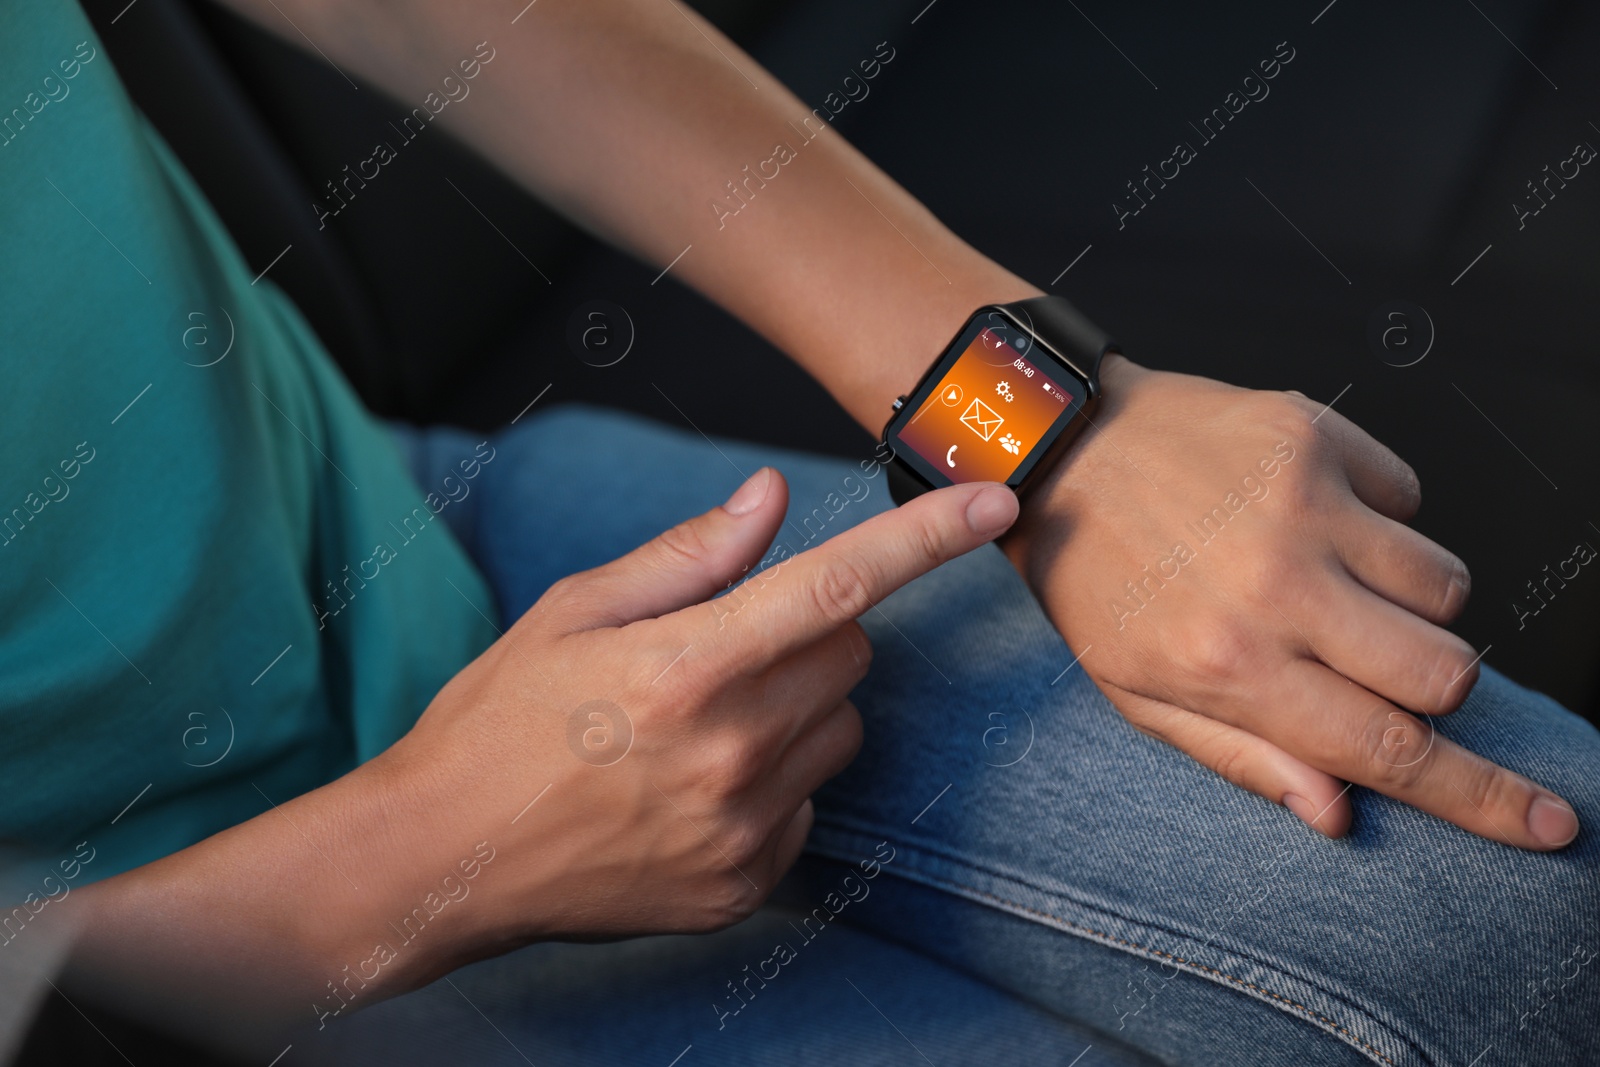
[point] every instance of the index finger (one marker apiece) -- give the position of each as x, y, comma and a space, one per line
820, 590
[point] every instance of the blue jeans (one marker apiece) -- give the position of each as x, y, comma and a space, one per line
1051, 886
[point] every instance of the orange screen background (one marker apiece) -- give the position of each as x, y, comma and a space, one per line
976, 376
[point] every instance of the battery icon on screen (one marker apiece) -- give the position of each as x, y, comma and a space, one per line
1057, 393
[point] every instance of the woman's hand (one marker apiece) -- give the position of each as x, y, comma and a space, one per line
631, 757
1234, 568
672, 741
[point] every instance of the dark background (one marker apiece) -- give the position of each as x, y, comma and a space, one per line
1396, 141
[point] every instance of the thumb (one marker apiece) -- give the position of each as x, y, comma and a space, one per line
687, 564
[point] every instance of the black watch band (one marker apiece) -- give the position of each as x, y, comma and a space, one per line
1065, 328
903, 485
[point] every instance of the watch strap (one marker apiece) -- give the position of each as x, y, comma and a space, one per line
1065, 327
903, 485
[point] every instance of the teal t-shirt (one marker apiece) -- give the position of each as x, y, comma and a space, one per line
221, 587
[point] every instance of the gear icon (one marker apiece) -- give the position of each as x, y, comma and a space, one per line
1004, 389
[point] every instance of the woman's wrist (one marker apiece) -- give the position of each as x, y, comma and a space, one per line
1068, 490
413, 903
910, 330
276, 921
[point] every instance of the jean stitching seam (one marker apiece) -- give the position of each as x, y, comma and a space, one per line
951, 857
1312, 1013
1303, 1009
931, 849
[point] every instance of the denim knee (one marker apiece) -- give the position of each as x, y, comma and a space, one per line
1509, 942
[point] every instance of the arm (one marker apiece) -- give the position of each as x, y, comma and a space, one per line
1291, 662
276, 921
623, 116
483, 829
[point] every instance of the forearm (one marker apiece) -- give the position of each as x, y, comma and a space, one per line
627, 118
269, 923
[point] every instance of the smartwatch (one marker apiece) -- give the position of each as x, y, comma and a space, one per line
1005, 399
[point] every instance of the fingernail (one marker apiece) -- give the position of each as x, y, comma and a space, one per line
1300, 806
991, 511
749, 496
1461, 579
1552, 821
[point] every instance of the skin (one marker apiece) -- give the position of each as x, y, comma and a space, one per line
735, 722
1300, 651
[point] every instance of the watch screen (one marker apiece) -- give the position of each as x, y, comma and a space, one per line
992, 405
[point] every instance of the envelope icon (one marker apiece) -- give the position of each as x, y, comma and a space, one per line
981, 419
